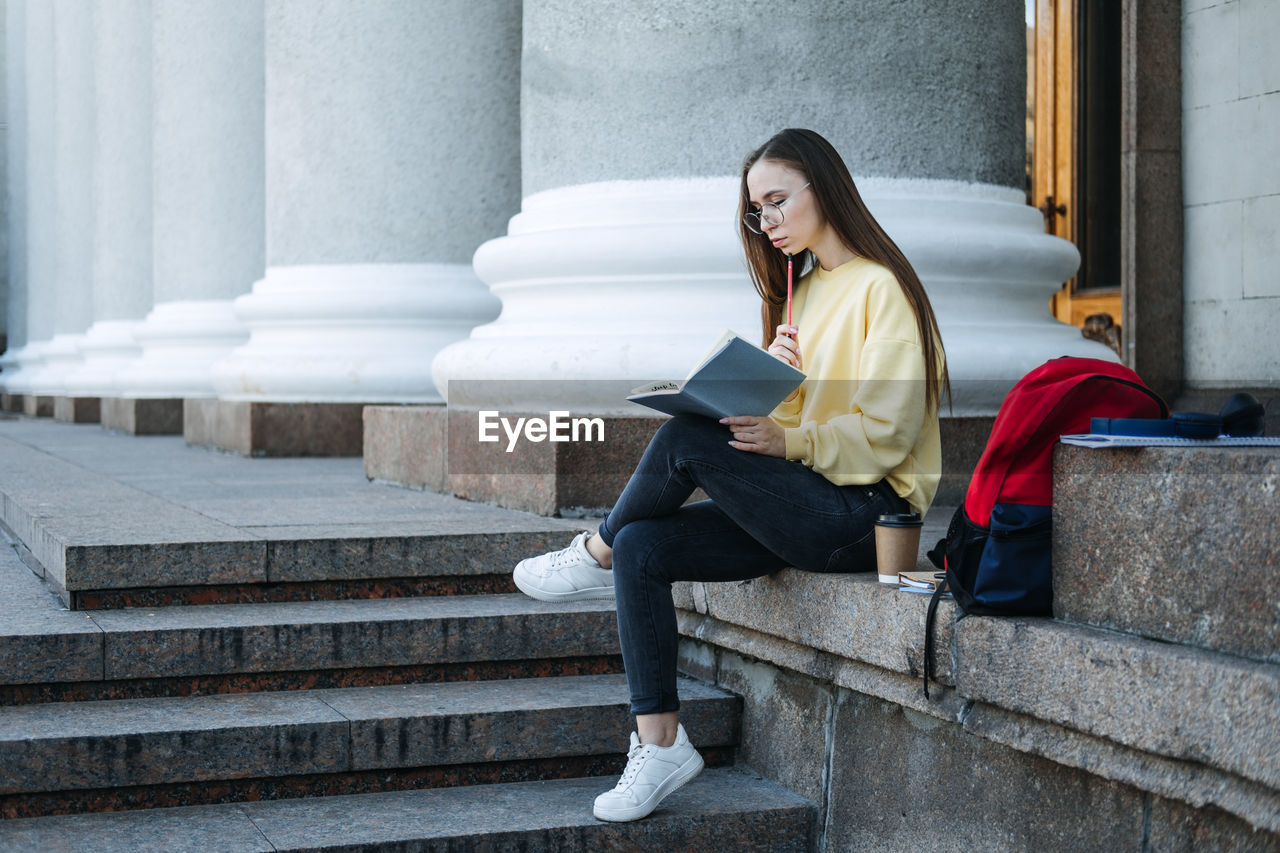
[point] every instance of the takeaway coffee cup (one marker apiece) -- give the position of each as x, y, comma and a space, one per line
897, 544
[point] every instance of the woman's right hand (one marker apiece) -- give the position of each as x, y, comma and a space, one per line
786, 347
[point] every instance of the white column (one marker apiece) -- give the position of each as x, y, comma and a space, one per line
121, 248
15, 43
42, 242
392, 142
207, 191
73, 130
638, 232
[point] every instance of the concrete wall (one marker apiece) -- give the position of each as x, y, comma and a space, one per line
1231, 148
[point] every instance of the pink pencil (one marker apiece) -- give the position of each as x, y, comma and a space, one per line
788, 288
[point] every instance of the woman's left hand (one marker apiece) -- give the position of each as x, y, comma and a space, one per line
757, 435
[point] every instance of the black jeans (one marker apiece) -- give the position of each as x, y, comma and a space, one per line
765, 513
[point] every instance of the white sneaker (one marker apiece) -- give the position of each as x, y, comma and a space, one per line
569, 574
652, 773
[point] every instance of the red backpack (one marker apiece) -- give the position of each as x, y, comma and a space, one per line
998, 549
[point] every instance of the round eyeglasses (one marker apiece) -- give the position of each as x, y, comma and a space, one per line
770, 213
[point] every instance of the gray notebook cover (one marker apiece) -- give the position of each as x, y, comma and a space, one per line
737, 378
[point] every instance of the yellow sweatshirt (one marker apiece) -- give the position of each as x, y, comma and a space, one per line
860, 414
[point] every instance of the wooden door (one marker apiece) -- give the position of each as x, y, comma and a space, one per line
1076, 149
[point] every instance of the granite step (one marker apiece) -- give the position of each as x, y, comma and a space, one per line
121, 521
177, 651
77, 756
723, 809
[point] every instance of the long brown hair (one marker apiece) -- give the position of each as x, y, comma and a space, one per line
840, 205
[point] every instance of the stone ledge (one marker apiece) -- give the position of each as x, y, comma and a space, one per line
1175, 702
850, 616
1186, 782
1185, 723
701, 633
1178, 544
432, 447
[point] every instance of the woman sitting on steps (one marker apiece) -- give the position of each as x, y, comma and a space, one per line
801, 487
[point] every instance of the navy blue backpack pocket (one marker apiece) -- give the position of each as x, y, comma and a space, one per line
1015, 575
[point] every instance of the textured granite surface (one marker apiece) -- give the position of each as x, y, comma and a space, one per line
907, 782
1179, 544
784, 719
77, 410
1168, 700
324, 590
40, 640
461, 722
147, 741
78, 745
544, 477
721, 810
275, 429
106, 511
196, 829
1176, 826
1197, 785
406, 445
306, 679
75, 521
149, 643
853, 616
461, 547
142, 417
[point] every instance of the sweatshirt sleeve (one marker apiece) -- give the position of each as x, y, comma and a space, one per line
871, 430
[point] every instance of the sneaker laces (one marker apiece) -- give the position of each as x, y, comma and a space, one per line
635, 760
558, 560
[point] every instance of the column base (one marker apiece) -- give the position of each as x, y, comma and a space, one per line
11, 402
405, 445
144, 416
274, 429
37, 406
77, 410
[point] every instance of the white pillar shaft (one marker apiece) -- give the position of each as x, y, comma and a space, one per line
122, 250
371, 224
15, 44
207, 191
40, 215
15, 358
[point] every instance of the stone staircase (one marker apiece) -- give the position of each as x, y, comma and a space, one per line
279, 655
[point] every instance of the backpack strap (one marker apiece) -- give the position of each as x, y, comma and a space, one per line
929, 668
